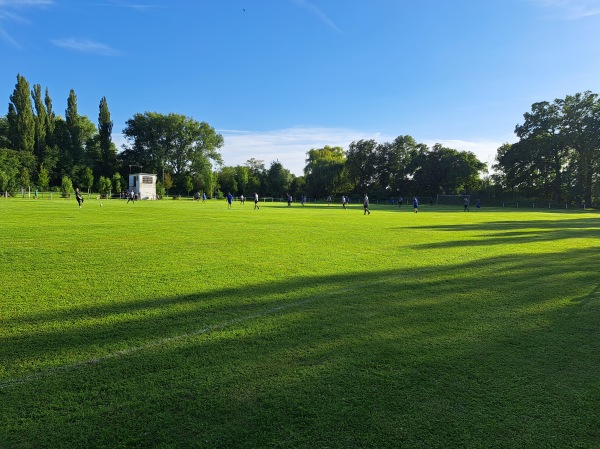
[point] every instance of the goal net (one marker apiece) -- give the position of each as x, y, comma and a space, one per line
452, 200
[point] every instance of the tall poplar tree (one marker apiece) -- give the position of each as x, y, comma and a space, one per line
20, 117
50, 117
73, 122
50, 159
39, 147
108, 153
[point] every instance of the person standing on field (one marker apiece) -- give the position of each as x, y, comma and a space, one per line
366, 205
466, 204
416, 204
344, 201
229, 200
256, 201
78, 197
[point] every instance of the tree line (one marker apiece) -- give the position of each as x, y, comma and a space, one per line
556, 157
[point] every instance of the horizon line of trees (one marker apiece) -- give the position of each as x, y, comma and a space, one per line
557, 156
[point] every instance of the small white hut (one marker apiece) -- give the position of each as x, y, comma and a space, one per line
143, 185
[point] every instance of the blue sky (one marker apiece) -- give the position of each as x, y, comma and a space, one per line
279, 77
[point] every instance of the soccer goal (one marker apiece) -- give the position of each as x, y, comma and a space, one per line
452, 200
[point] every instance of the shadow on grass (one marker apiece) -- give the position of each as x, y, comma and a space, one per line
509, 232
506, 356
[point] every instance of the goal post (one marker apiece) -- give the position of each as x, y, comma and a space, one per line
452, 200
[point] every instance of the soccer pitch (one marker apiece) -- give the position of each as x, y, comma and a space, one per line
182, 324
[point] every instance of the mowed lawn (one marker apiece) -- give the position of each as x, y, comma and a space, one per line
176, 324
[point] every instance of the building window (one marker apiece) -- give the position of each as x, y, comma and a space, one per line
147, 180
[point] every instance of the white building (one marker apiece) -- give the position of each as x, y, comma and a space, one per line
143, 185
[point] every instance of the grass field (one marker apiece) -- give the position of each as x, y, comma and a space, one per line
176, 324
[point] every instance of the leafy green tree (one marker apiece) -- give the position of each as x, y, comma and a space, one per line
9, 170
88, 179
118, 182
40, 123
558, 152
174, 142
257, 175
43, 180
25, 177
188, 184
242, 175
66, 186
298, 186
167, 182
324, 171
581, 124
49, 117
104, 185
279, 179
51, 156
74, 128
361, 163
395, 163
160, 189
20, 117
4, 139
445, 170
108, 151
227, 181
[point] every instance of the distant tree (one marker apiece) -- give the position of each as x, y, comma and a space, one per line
581, 125
558, 152
20, 118
298, 186
9, 169
118, 182
445, 170
25, 177
361, 164
227, 181
242, 176
88, 179
279, 179
4, 139
43, 180
174, 142
51, 157
167, 181
257, 175
108, 151
75, 144
40, 123
66, 186
324, 171
188, 184
104, 185
395, 163
50, 117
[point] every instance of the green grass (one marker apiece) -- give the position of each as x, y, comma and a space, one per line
175, 324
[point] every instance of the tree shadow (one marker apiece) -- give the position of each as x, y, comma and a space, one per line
502, 358
515, 232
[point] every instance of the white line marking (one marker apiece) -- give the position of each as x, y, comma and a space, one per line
159, 342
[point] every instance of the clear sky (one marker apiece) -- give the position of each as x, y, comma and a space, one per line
279, 77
